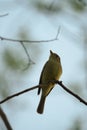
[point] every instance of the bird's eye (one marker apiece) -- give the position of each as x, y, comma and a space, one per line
56, 56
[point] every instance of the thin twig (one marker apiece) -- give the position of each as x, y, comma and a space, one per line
30, 41
19, 93
58, 32
26, 51
5, 120
57, 82
26, 41
70, 92
29, 59
3, 15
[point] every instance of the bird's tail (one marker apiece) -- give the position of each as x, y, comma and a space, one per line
41, 105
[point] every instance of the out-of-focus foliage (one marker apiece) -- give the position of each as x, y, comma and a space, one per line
13, 60
47, 7
4, 86
77, 5
55, 7
25, 34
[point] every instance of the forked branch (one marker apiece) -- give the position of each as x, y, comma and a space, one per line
32, 88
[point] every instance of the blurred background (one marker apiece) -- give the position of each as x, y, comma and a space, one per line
40, 20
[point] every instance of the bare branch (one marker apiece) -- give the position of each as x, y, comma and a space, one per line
58, 32
30, 41
70, 92
5, 120
26, 41
3, 15
57, 82
29, 59
19, 93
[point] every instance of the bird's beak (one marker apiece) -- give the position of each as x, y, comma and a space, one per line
51, 52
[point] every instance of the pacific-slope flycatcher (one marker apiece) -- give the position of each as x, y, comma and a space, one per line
52, 70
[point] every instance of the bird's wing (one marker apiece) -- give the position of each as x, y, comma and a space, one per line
40, 81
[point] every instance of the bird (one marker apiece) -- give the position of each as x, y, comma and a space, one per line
51, 71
